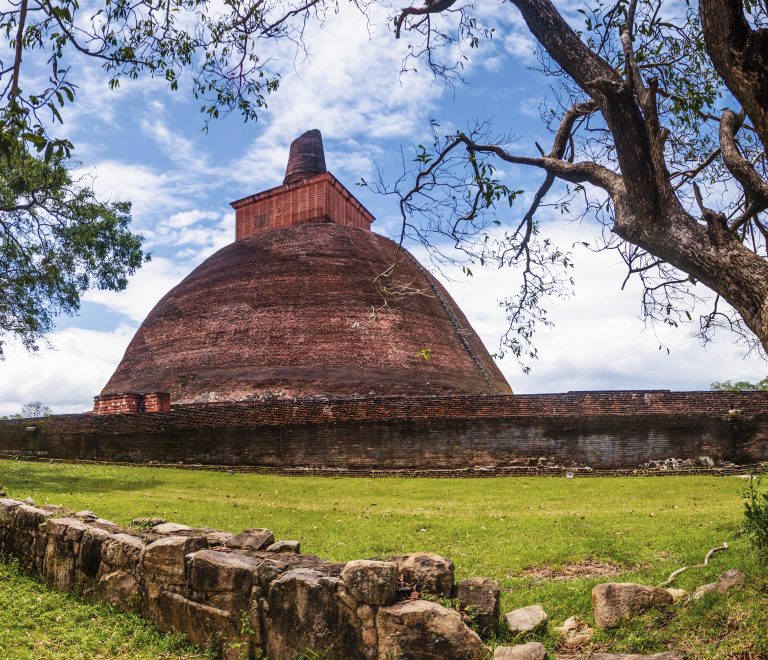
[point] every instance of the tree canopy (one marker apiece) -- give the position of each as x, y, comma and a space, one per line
741, 386
660, 127
57, 239
30, 410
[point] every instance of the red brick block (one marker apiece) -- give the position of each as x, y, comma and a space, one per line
320, 198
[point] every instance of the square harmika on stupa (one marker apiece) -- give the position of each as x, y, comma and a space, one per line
307, 302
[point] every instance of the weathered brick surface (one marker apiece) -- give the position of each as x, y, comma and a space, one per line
451, 435
305, 311
306, 157
320, 198
131, 402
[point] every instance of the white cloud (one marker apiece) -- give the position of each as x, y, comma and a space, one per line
145, 289
151, 191
349, 88
66, 376
599, 340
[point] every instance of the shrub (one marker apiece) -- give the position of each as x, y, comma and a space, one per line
755, 525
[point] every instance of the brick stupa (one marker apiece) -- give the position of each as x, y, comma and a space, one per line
307, 302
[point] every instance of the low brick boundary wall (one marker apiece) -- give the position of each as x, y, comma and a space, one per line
618, 432
242, 595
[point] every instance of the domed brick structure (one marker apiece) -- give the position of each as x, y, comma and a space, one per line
307, 302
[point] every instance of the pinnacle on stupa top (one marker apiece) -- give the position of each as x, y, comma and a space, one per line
306, 157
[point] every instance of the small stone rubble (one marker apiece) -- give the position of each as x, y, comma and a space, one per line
529, 651
525, 620
576, 633
727, 581
480, 598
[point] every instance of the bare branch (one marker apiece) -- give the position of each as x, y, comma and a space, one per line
741, 168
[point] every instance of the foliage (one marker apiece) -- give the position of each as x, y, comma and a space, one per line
643, 142
755, 524
35, 409
215, 45
56, 238
29, 410
56, 241
741, 386
515, 530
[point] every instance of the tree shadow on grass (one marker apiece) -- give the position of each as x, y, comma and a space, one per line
48, 480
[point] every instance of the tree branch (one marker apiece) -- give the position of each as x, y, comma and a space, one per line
741, 168
19, 50
740, 56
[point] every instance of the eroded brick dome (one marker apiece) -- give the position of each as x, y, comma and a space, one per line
306, 311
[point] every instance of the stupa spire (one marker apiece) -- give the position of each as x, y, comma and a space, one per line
306, 157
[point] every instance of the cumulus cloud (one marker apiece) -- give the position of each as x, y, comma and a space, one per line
351, 89
65, 376
599, 340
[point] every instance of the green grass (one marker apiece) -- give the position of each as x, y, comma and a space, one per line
498, 527
36, 623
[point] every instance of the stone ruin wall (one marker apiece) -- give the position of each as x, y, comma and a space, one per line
242, 595
588, 432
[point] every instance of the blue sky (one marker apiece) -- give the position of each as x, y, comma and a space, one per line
145, 144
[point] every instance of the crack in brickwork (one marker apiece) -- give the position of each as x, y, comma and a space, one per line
456, 326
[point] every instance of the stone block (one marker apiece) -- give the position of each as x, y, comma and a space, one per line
481, 596
119, 588
371, 582
529, 651
416, 629
163, 560
91, 546
59, 564
614, 602
163, 567
285, 546
425, 571
29, 517
303, 612
215, 537
170, 528
273, 565
668, 655
253, 539
213, 571
525, 620
122, 551
7, 508
201, 623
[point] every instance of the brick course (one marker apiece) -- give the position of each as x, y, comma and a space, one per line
321, 198
542, 433
131, 402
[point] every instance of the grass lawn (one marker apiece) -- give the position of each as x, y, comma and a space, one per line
37, 623
529, 533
